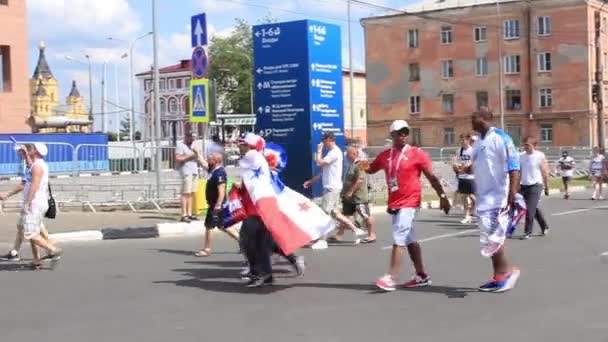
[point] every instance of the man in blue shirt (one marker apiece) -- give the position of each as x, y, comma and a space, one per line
497, 175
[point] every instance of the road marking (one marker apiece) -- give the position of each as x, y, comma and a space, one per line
604, 257
578, 211
438, 237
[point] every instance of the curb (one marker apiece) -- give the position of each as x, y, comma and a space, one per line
162, 230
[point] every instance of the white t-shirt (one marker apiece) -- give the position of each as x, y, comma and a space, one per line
531, 167
40, 200
566, 166
494, 156
189, 167
465, 157
331, 173
597, 165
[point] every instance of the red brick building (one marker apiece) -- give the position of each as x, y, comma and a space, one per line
436, 65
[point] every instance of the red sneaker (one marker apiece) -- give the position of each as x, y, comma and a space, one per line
418, 281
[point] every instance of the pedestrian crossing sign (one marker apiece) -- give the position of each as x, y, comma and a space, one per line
199, 100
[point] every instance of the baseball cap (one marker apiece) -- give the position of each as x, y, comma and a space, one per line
398, 125
252, 140
41, 148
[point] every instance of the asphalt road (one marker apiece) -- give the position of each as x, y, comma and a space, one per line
154, 290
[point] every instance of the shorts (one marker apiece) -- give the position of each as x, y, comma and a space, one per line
214, 220
566, 178
350, 209
403, 226
493, 225
330, 201
30, 223
466, 186
189, 184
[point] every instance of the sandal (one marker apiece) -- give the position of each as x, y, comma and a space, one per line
203, 253
368, 240
333, 239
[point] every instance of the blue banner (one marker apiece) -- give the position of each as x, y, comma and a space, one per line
298, 91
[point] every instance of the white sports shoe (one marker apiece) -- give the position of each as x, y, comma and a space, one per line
359, 232
321, 244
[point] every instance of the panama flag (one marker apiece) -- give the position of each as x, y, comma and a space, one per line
292, 219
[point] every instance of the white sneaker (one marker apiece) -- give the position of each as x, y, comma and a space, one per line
467, 220
359, 232
321, 244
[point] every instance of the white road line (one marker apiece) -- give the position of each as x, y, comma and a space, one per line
604, 257
578, 211
438, 237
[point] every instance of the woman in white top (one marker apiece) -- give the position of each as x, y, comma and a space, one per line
596, 170
36, 204
534, 177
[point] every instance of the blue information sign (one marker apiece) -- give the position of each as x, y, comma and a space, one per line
298, 81
198, 30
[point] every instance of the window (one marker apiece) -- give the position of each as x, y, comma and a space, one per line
513, 99
178, 83
512, 65
172, 84
412, 39
481, 66
173, 106
147, 85
449, 136
544, 62
546, 133
446, 35
545, 97
447, 69
447, 103
416, 137
481, 34
544, 26
5, 69
414, 104
515, 134
511, 29
163, 106
414, 72
482, 99
163, 84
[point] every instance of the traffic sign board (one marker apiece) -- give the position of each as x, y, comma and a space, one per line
199, 63
199, 100
198, 30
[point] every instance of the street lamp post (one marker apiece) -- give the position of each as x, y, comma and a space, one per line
131, 45
156, 77
88, 57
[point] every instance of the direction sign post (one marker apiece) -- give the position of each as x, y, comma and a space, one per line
198, 30
298, 84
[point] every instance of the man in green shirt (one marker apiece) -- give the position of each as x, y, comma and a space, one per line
355, 195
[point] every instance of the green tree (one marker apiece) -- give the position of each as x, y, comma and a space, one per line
125, 127
230, 66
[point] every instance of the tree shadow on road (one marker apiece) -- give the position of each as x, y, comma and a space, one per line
13, 267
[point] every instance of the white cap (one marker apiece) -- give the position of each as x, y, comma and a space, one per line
253, 140
41, 148
398, 125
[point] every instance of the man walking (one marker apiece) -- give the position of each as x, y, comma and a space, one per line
466, 179
402, 165
496, 169
187, 159
331, 176
534, 177
215, 194
355, 196
566, 165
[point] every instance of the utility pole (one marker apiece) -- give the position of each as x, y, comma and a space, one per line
157, 131
501, 94
351, 72
599, 82
103, 98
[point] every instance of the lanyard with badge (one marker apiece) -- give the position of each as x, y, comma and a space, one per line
392, 173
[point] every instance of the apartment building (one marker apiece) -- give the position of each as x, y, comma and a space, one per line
14, 86
447, 58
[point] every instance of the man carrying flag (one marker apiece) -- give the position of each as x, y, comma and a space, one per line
292, 219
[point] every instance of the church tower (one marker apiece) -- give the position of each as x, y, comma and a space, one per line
76, 110
44, 89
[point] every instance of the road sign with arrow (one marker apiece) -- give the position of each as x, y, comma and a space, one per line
198, 30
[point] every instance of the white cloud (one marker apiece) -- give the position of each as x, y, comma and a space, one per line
223, 6
83, 17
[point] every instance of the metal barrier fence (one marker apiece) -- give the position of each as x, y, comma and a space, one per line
60, 158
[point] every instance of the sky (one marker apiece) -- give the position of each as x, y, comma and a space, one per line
79, 27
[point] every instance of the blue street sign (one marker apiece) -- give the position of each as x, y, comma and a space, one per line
198, 30
298, 85
199, 101
199, 63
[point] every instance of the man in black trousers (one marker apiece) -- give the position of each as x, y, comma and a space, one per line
534, 177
